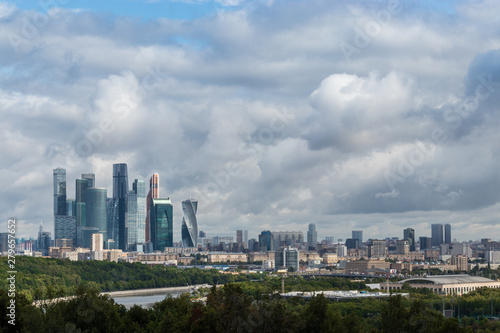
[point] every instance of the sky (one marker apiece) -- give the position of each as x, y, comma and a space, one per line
352, 115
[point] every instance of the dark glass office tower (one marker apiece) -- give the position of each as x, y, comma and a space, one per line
447, 234
90, 178
266, 241
60, 192
409, 235
312, 236
96, 209
120, 192
81, 186
358, 234
154, 193
162, 222
112, 218
189, 223
425, 243
437, 234
136, 213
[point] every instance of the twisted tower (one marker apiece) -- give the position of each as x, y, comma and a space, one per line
189, 224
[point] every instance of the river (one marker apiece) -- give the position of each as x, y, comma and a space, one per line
147, 297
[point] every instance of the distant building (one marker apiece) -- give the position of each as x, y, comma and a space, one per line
245, 238
80, 204
136, 214
437, 234
90, 178
425, 243
65, 243
4, 242
409, 235
189, 229
352, 243
312, 236
330, 258
69, 207
60, 192
461, 249
358, 234
154, 193
96, 210
402, 247
445, 284
287, 257
493, 257
461, 262
377, 249
253, 244
112, 219
341, 251
358, 266
288, 238
86, 236
120, 192
43, 241
161, 221
97, 242
266, 241
447, 234
65, 227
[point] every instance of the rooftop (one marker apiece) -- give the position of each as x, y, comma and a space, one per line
448, 279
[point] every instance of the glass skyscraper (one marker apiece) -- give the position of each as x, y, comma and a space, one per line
358, 234
96, 210
80, 208
112, 218
154, 193
266, 241
189, 223
120, 192
409, 235
286, 258
137, 213
437, 234
90, 178
65, 227
447, 233
60, 191
161, 219
312, 236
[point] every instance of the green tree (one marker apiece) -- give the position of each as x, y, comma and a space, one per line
394, 316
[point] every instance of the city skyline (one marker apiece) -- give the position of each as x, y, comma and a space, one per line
138, 190
375, 116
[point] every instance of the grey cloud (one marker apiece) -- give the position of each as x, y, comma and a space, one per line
202, 98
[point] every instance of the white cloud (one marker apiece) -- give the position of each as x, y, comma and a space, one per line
255, 110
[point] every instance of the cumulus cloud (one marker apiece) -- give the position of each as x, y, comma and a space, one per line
255, 110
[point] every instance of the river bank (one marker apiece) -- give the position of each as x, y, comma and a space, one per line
131, 293
153, 291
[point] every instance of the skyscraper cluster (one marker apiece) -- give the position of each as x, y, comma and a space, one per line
130, 220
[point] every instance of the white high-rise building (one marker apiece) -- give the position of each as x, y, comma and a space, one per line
97, 242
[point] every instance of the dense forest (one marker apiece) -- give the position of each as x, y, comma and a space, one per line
230, 309
246, 303
42, 278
